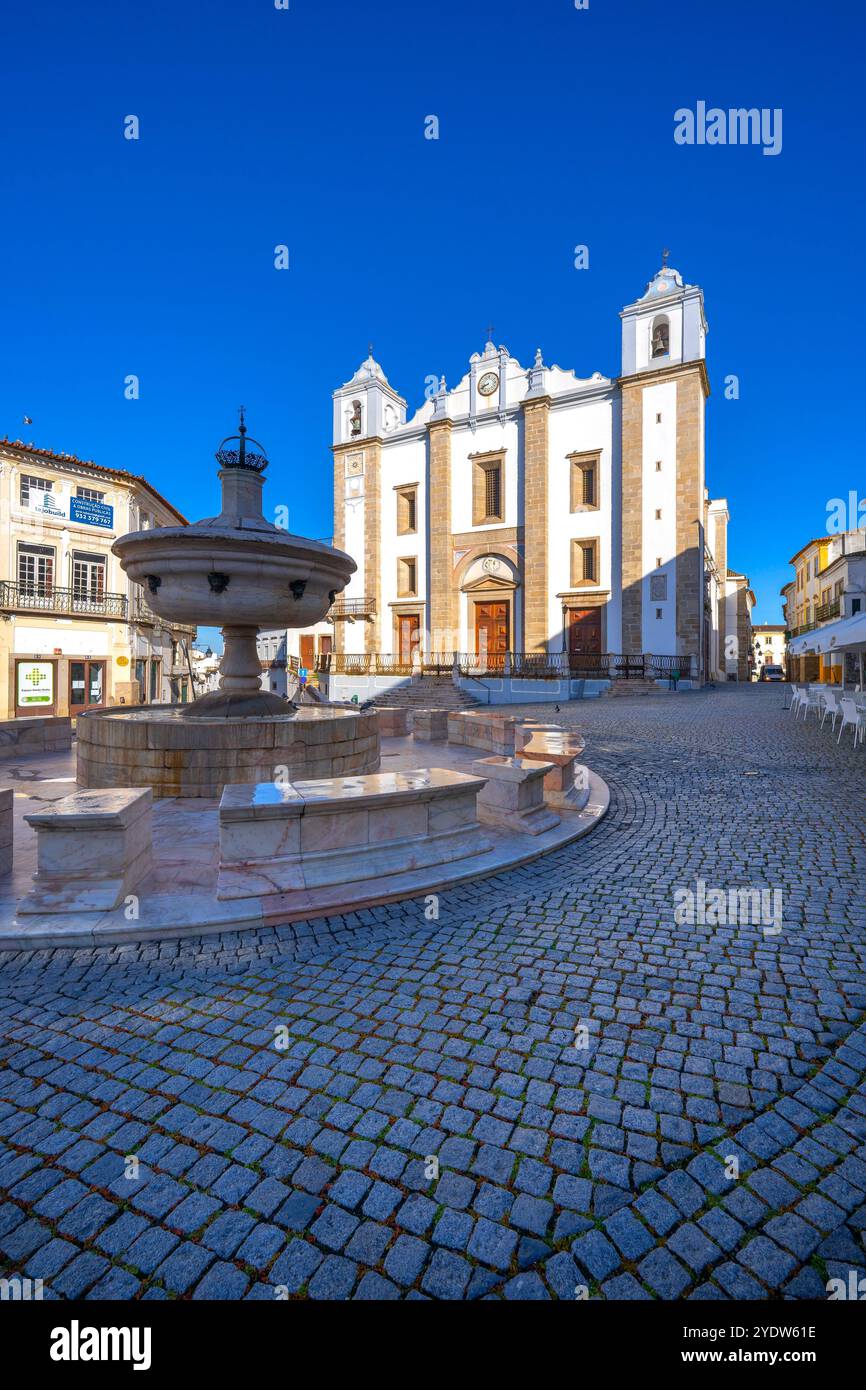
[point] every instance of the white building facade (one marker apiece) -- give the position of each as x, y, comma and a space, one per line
75, 633
529, 511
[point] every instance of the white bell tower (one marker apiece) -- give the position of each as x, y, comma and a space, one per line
666, 327
367, 407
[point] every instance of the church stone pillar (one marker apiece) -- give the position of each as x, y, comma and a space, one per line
632, 517
535, 489
443, 605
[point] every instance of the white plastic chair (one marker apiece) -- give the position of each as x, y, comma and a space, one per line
796, 697
811, 700
853, 716
830, 703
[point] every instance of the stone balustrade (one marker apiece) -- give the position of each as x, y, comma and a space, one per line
5, 830
291, 838
92, 849
513, 795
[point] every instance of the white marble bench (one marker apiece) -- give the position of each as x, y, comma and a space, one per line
92, 849
294, 837
513, 798
393, 721
5, 830
483, 729
430, 724
566, 785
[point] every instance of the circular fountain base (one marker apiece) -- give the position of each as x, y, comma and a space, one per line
161, 747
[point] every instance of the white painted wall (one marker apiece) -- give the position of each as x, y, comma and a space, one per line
404, 463
583, 428
659, 493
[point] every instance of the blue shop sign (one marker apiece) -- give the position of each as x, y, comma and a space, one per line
91, 513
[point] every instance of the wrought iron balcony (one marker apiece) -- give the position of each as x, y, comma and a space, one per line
352, 608
143, 613
825, 611
46, 598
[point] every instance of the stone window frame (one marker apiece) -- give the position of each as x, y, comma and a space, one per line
404, 572
579, 546
406, 498
482, 464
588, 460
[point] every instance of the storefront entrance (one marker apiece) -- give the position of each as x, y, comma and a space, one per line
35, 688
86, 686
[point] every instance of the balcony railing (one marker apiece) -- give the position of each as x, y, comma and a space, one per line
825, 611
531, 665
45, 598
352, 608
143, 613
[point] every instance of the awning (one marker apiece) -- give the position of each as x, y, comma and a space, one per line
847, 634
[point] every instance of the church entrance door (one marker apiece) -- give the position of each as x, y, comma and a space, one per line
491, 633
584, 638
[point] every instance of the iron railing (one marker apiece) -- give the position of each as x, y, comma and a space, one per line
587, 665
351, 608
825, 611
143, 613
46, 598
533, 665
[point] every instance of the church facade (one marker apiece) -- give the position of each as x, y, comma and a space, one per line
526, 510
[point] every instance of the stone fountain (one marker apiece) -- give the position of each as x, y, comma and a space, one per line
239, 572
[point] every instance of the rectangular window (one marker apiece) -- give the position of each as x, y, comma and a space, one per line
407, 511
487, 490
584, 562
89, 494
36, 570
492, 484
30, 485
407, 577
585, 482
88, 577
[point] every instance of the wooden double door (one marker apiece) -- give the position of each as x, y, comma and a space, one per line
408, 637
492, 632
584, 636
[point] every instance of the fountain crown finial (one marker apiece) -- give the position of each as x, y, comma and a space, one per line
242, 457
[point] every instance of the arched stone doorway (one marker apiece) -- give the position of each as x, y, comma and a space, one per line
490, 619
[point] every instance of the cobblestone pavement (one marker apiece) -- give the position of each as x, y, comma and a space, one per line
309, 1168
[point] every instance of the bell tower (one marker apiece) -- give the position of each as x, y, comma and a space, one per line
366, 410
664, 387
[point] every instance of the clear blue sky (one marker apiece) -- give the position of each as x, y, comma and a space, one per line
305, 127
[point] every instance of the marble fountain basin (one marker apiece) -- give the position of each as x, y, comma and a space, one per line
234, 575
157, 746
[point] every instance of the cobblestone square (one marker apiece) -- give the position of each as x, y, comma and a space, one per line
552, 1089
